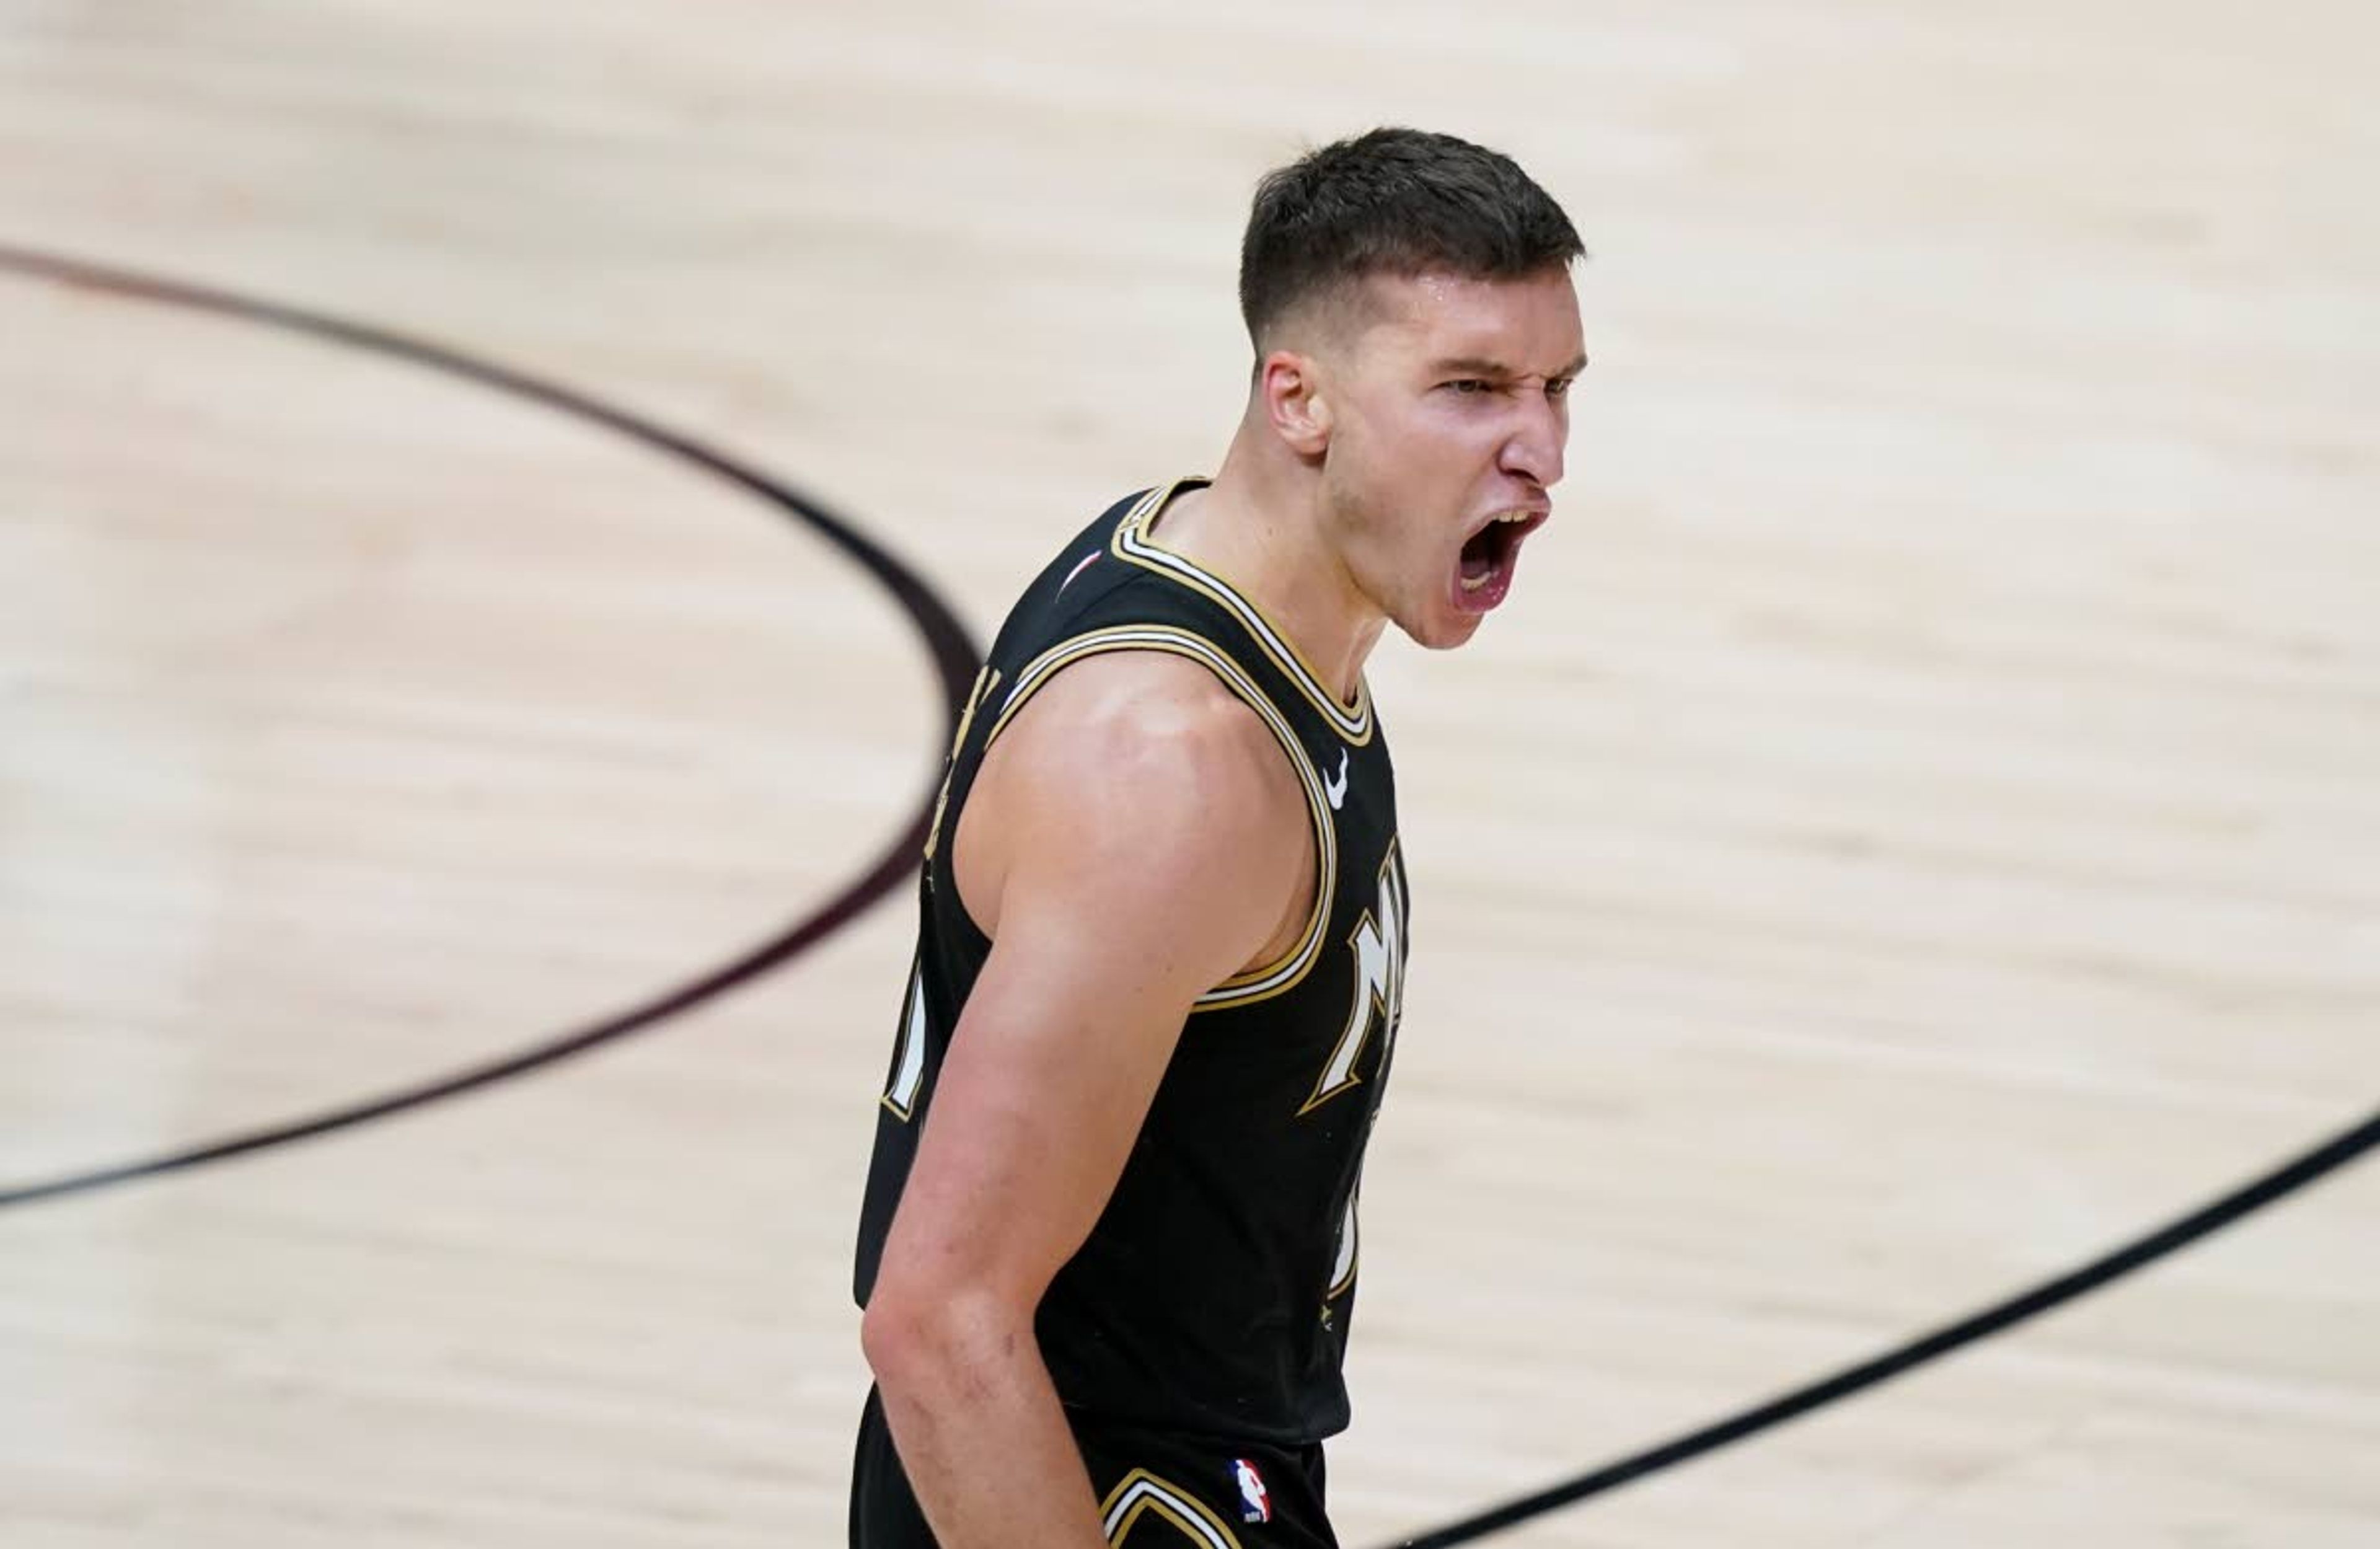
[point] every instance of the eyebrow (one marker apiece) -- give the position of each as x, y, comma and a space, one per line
1479, 365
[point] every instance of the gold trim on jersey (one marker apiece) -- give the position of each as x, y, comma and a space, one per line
1291, 969
1133, 544
1141, 1492
985, 682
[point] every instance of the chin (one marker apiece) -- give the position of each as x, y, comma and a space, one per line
1443, 633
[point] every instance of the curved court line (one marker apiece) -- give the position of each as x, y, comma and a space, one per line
946, 639
2327, 1157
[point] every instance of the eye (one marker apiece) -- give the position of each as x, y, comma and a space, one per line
1470, 386
1558, 386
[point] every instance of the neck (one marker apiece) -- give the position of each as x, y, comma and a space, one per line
1261, 527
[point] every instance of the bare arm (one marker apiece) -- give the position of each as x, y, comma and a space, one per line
1131, 841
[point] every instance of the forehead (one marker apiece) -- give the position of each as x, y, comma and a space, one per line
1530, 324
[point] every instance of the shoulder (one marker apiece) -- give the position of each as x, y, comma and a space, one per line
1156, 736
1148, 700
1135, 783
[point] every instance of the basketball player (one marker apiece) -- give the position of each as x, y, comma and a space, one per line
1108, 1252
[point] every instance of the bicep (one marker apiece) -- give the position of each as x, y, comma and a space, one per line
1047, 1079
1127, 897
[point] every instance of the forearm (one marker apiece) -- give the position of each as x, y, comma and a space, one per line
981, 1433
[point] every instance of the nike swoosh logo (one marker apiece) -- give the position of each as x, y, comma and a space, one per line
1337, 789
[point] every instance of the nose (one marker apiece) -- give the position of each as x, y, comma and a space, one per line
1534, 449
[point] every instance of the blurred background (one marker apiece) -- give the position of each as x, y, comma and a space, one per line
1916, 824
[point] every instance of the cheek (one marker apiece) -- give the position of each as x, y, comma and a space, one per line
1448, 455
1391, 517
1386, 551
1415, 550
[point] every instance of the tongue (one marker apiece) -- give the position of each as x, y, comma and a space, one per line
1479, 558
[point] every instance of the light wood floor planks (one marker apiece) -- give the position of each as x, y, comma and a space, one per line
1917, 824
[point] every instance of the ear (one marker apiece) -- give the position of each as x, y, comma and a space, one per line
1290, 387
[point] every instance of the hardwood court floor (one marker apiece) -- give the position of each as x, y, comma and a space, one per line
1916, 824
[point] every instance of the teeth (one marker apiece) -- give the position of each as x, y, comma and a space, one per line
1515, 516
1470, 585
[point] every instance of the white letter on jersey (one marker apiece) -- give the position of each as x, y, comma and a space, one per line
1342, 1266
1379, 948
911, 1073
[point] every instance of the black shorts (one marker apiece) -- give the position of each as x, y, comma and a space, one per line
1155, 1491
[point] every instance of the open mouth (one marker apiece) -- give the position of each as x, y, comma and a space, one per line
1484, 571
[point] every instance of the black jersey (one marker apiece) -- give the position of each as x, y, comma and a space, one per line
1214, 1293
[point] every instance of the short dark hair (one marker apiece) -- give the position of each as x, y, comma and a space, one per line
1394, 202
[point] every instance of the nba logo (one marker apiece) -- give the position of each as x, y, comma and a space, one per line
1256, 1502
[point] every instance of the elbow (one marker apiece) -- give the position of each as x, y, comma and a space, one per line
917, 1338
894, 1335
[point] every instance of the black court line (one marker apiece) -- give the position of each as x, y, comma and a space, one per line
945, 638
2254, 1195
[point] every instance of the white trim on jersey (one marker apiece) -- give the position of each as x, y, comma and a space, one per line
1354, 724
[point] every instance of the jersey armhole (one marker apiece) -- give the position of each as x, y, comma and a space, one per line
1285, 973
